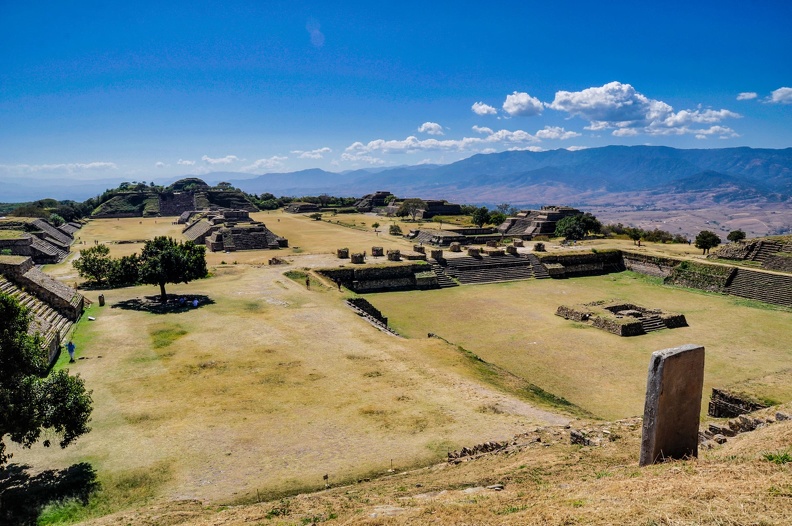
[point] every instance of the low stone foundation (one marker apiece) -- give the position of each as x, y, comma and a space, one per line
725, 404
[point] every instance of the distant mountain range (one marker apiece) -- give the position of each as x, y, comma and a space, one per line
592, 176
596, 176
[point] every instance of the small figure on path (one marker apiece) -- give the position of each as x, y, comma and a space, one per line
70, 349
307, 282
181, 301
338, 282
195, 303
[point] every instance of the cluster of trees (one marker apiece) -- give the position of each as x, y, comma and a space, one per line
484, 216
57, 212
655, 236
33, 399
162, 260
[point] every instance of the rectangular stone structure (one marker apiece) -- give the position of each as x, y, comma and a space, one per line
673, 404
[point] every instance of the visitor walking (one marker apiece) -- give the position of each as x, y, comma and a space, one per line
70, 349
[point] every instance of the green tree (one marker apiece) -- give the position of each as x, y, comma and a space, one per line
316, 216
634, 233
95, 264
33, 401
395, 230
705, 240
735, 236
165, 260
375, 225
578, 226
496, 218
56, 220
480, 216
411, 207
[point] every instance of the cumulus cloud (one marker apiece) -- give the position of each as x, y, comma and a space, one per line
228, 159
482, 129
781, 96
576, 148
527, 149
184, 162
747, 95
432, 128
317, 37
556, 132
276, 161
522, 104
159, 164
312, 154
412, 144
619, 107
479, 108
355, 157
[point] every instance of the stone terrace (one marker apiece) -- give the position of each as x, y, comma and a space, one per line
487, 269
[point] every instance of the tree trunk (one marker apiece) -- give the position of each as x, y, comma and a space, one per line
163, 296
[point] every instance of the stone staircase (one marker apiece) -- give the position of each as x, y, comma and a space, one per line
50, 322
766, 248
470, 270
762, 286
442, 279
652, 323
540, 272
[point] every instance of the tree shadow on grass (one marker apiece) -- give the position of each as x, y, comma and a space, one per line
175, 303
23, 495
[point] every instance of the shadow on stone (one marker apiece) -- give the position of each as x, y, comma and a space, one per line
23, 495
175, 303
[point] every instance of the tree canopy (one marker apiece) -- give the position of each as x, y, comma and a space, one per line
31, 399
705, 240
480, 216
736, 235
94, 263
165, 260
577, 226
411, 207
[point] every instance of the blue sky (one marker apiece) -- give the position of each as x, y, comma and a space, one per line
138, 91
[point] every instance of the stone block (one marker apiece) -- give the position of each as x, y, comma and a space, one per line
437, 254
455, 247
343, 253
394, 255
377, 251
673, 404
518, 243
474, 252
419, 248
358, 258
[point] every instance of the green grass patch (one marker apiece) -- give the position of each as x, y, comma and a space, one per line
778, 457
164, 334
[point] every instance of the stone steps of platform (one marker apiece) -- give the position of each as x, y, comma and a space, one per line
494, 275
766, 249
760, 286
540, 272
443, 281
653, 323
39, 310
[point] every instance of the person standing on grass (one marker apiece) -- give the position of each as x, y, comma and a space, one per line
70, 349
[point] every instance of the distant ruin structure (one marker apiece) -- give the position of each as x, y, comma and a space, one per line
528, 224
37, 239
229, 231
302, 208
622, 319
369, 202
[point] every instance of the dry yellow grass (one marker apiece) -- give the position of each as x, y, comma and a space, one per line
514, 326
544, 483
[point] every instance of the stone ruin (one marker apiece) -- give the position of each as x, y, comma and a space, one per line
54, 307
37, 238
231, 230
528, 224
622, 319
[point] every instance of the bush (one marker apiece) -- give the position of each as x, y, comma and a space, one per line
395, 230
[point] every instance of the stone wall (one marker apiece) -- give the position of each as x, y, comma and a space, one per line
369, 309
781, 261
583, 263
714, 278
726, 404
175, 204
657, 266
22, 272
379, 278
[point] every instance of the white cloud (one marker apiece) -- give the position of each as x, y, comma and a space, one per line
781, 96
556, 132
482, 129
619, 107
747, 95
159, 164
576, 148
701, 136
312, 154
432, 128
361, 158
412, 144
69, 167
522, 104
479, 108
527, 149
184, 162
228, 159
276, 161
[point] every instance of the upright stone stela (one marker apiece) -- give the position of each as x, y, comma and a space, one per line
673, 404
